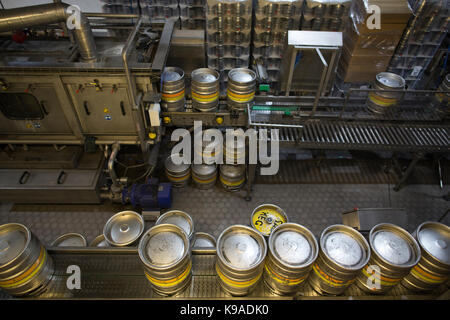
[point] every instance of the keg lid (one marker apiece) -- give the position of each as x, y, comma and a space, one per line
204, 240
434, 237
241, 247
391, 80
70, 240
293, 245
171, 74
163, 246
345, 246
123, 228
176, 168
265, 218
204, 75
242, 75
14, 238
99, 241
178, 218
232, 171
204, 169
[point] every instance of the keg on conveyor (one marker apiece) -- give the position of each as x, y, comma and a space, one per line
173, 89
99, 241
393, 253
205, 89
124, 229
26, 268
165, 253
177, 174
292, 252
234, 151
266, 217
433, 268
241, 251
381, 102
204, 176
241, 88
441, 100
343, 253
180, 219
232, 177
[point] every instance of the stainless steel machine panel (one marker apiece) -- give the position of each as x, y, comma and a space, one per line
32, 94
102, 104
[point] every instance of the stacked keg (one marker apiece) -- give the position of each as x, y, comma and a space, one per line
234, 147
381, 101
241, 251
173, 89
232, 177
433, 268
26, 268
241, 89
394, 252
164, 251
204, 176
177, 174
205, 89
343, 254
292, 252
322, 16
123, 229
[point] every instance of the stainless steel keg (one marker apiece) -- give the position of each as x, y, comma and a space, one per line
433, 268
165, 253
394, 252
204, 176
241, 251
177, 174
26, 268
205, 89
204, 240
70, 240
124, 229
343, 253
180, 219
173, 89
99, 241
232, 177
234, 151
241, 88
292, 252
266, 217
380, 102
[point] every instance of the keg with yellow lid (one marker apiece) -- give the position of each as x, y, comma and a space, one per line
292, 252
266, 217
26, 268
393, 253
173, 89
165, 253
343, 253
232, 177
205, 89
241, 251
433, 268
177, 174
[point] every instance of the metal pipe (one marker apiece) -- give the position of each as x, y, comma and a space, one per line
112, 158
19, 18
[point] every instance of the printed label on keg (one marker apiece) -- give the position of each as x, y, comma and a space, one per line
373, 273
266, 220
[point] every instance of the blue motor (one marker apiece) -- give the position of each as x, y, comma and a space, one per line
150, 196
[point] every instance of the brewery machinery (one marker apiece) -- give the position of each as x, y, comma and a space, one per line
87, 114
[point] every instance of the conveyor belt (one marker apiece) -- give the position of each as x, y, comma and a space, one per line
365, 136
120, 275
